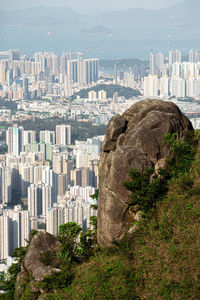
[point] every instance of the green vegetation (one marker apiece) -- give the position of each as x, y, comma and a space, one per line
146, 190
147, 187
73, 252
4, 149
6, 104
110, 90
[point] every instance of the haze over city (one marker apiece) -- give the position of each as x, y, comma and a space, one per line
89, 5
107, 30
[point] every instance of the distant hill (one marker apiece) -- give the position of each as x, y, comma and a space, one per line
186, 12
42, 16
110, 90
97, 30
123, 63
126, 33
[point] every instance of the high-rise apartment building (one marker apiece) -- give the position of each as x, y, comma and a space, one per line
164, 86
14, 230
194, 56
29, 137
63, 134
175, 56
3, 69
55, 217
91, 70
47, 198
178, 87
47, 136
20, 227
5, 239
61, 184
15, 139
26, 172
5, 185
75, 177
151, 86
156, 64
35, 200
46, 149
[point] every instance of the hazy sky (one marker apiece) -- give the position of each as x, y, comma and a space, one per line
91, 5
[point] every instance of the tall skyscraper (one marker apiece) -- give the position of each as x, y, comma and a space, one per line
61, 184
5, 185
174, 56
47, 198
14, 54
5, 238
14, 139
25, 87
20, 226
156, 64
178, 87
63, 63
35, 200
115, 73
55, 217
164, 86
63, 134
91, 70
194, 56
151, 84
3, 69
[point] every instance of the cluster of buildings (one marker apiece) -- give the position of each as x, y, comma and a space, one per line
29, 77
44, 179
173, 77
48, 75
50, 178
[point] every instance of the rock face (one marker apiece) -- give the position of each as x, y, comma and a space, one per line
132, 141
33, 270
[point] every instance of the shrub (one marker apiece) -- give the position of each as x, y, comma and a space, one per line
58, 280
50, 258
145, 190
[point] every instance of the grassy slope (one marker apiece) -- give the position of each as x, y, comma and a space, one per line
161, 260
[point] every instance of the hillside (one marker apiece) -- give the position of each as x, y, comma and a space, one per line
110, 90
160, 261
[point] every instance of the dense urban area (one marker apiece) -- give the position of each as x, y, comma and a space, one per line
53, 116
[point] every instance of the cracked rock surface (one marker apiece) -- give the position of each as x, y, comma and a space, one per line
133, 141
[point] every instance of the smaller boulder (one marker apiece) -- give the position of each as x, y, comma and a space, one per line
41, 242
32, 269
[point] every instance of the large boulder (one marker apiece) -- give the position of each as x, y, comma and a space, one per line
133, 141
